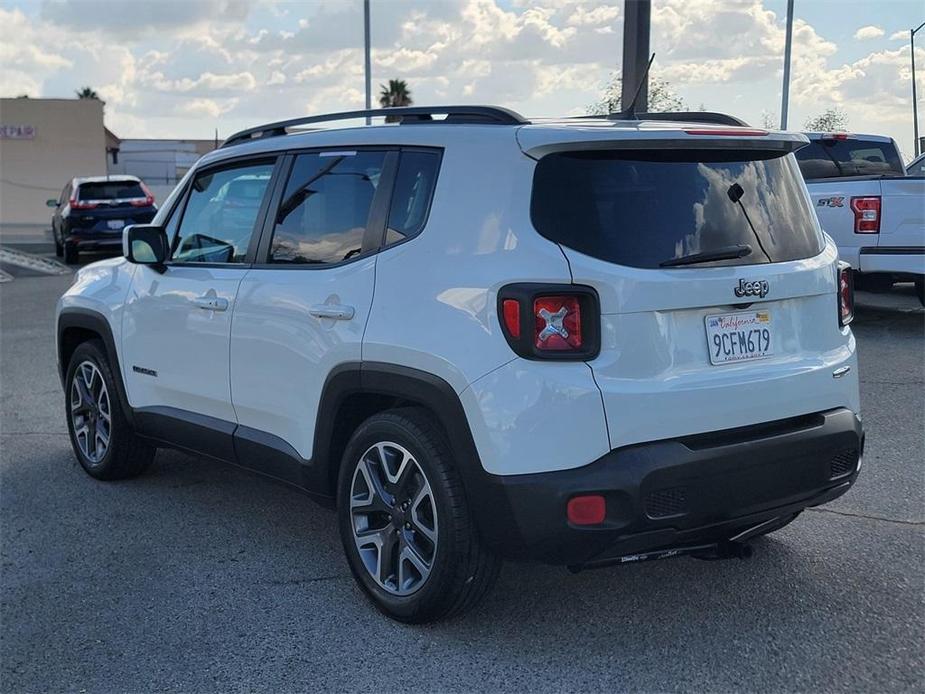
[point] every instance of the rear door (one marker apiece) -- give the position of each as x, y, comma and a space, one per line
716, 288
302, 310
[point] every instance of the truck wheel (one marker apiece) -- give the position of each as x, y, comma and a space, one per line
406, 528
59, 249
71, 254
103, 441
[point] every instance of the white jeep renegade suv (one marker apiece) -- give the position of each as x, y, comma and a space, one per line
582, 341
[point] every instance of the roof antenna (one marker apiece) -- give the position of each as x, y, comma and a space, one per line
629, 112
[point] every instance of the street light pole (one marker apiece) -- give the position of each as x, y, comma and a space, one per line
369, 83
915, 103
785, 92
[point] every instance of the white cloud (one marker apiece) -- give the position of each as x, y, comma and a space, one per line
182, 67
869, 32
899, 35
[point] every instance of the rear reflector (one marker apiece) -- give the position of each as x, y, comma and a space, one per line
587, 510
557, 323
866, 214
511, 309
845, 295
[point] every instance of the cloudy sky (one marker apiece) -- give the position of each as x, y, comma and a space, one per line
181, 68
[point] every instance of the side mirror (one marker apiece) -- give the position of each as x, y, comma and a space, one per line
145, 244
51, 203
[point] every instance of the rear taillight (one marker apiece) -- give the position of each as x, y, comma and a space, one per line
542, 321
80, 205
866, 214
146, 201
845, 294
557, 323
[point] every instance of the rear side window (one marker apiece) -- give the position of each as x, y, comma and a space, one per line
325, 208
831, 158
110, 190
648, 208
411, 196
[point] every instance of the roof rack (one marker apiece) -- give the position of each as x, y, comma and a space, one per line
709, 117
487, 115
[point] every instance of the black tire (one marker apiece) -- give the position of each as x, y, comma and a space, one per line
125, 455
59, 249
920, 290
462, 570
71, 254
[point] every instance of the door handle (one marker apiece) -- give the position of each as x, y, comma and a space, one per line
211, 303
335, 311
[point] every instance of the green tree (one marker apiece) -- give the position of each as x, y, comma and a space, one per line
831, 120
661, 97
394, 95
88, 93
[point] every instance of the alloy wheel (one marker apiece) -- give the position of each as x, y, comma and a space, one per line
394, 518
91, 415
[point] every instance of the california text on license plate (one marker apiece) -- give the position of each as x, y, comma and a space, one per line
116, 223
734, 337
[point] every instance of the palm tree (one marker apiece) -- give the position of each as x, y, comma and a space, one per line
87, 93
396, 94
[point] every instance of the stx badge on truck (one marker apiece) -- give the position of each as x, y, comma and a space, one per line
837, 201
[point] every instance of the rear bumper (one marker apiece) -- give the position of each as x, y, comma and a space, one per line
94, 240
672, 493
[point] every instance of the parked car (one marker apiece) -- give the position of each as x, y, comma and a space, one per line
916, 167
867, 203
579, 341
91, 212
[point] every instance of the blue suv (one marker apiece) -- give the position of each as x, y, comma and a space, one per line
91, 213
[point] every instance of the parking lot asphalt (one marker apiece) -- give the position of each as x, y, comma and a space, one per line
202, 577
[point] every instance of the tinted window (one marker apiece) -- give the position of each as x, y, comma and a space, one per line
645, 208
220, 215
112, 190
414, 188
830, 158
324, 210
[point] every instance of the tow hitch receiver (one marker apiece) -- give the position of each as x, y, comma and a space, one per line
711, 552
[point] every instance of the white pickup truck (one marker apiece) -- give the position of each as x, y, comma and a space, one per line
869, 206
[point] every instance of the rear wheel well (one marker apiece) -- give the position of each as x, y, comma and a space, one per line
352, 412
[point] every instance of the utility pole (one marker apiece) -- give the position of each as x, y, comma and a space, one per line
785, 92
369, 83
915, 103
636, 29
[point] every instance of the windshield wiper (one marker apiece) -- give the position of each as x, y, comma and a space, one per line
723, 253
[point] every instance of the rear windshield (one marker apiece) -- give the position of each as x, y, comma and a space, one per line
652, 209
830, 158
110, 190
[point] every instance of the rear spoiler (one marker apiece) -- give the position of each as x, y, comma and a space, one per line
537, 143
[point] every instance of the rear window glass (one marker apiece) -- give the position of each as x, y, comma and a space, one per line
110, 190
830, 158
651, 209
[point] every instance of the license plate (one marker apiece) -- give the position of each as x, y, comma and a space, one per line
735, 337
116, 223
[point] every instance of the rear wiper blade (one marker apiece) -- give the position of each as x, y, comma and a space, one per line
724, 253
